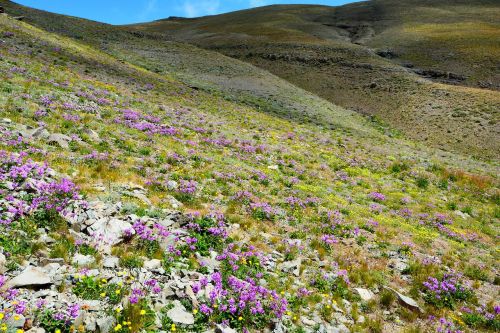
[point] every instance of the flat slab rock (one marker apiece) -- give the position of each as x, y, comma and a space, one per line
31, 276
405, 300
365, 294
179, 315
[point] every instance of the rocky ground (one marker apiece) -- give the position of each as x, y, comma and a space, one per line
131, 202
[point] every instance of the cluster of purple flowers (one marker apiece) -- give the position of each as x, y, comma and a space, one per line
441, 223
262, 210
187, 186
71, 313
74, 118
150, 286
376, 196
21, 175
446, 326
329, 240
295, 202
233, 299
145, 123
444, 292
248, 258
149, 233
96, 156
249, 148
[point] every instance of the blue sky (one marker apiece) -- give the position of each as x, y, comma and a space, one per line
131, 11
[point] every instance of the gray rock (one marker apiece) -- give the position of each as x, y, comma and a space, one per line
398, 264
60, 139
224, 329
92, 305
105, 324
82, 260
211, 263
291, 266
112, 230
152, 264
36, 330
16, 321
308, 322
93, 136
176, 204
111, 262
406, 301
365, 294
178, 314
3, 263
172, 185
90, 323
138, 195
462, 214
31, 276
40, 133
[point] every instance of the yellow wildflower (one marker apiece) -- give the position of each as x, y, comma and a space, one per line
143, 312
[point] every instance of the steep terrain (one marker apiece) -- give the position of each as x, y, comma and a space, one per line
142, 192
414, 64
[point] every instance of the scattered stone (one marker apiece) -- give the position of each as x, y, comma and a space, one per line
111, 262
16, 321
178, 314
3, 263
152, 264
291, 266
308, 322
36, 330
60, 139
365, 294
174, 203
224, 329
405, 300
31, 276
112, 230
82, 260
463, 215
40, 133
105, 324
172, 185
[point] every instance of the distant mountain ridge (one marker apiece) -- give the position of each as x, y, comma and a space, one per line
428, 69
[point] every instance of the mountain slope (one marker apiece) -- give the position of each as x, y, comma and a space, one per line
376, 57
131, 201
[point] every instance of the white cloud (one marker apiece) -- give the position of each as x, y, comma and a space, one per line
193, 8
148, 9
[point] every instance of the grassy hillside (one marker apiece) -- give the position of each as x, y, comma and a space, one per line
306, 227
415, 65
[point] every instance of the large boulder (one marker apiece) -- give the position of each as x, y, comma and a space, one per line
31, 276
112, 231
59, 139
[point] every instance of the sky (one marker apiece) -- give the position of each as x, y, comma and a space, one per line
133, 11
